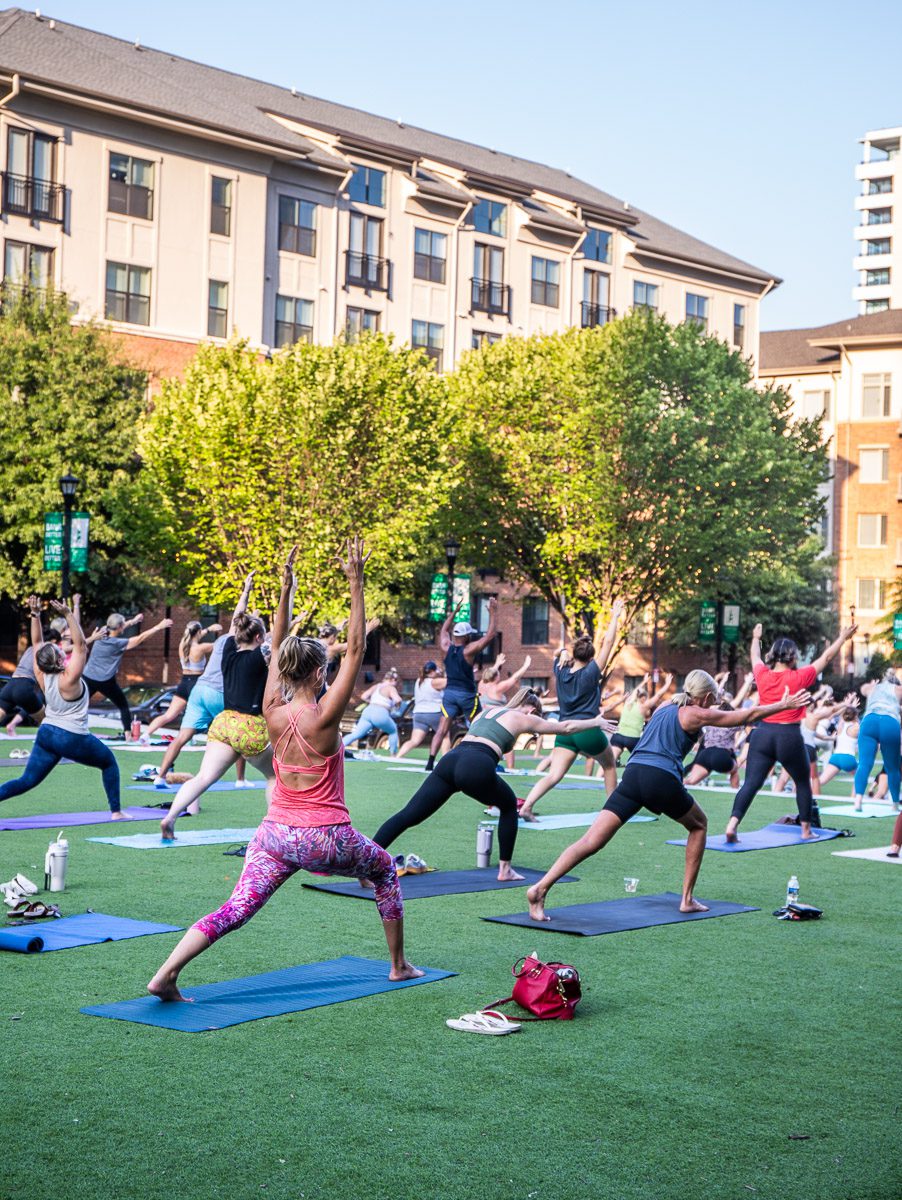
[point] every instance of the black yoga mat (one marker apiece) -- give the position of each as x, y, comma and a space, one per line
615, 916
439, 883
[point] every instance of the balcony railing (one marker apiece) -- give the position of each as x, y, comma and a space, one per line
595, 314
366, 271
488, 296
31, 197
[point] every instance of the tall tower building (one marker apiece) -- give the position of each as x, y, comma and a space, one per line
878, 259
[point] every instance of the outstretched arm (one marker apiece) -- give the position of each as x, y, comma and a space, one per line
693, 717
755, 649
336, 698
607, 644
71, 675
474, 649
36, 631
273, 693
444, 637
241, 606
653, 701
743, 691
834, 648
509, 684
142, 637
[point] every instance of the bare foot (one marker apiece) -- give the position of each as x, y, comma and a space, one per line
167, 830
405, 971
121, 816
691, 905
526, 814
536, 903
810, 836
508, 875
731, 837
163, 986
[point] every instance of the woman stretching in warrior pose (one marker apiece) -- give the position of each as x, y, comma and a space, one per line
777, 738
637, 708
471, 768
63, 733
307, 826
578, 680
653, 779
193, 658
493, 691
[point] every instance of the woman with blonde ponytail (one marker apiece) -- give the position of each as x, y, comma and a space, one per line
193, 657
653, 779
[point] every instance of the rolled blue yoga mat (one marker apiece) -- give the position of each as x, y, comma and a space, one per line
295, 989
85, 929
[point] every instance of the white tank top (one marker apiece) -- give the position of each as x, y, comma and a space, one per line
380, 699
426, 698
882, 701
71, 715
845, 744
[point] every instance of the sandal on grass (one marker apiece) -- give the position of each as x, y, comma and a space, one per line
490, 1022
37, 912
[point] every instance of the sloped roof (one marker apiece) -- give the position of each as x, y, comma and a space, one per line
819, 346
85, 62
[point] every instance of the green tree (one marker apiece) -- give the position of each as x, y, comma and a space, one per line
243, 457
636, 460
66, 404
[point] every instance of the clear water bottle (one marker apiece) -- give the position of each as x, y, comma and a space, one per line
485, 834
792, 891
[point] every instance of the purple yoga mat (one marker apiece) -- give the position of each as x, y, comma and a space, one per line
65, 820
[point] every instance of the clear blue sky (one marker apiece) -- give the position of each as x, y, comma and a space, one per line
737, 123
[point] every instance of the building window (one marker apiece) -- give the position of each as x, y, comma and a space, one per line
218, 309
488, 291
871, 595
872, 530
696, 310
490, 216
597, 245
873, 464
360, 320
645, 295
431, 338
482, 337
365, 266
879, 216
131, 186
534, 628
367, 186
876, 396
28, 182
27, 266
221, 206
430, 252
816, 405
879, 246
546, 276
739, 326
297, 226
875, 306
127, 294
879, 187
595, 308
294, 320
877, 278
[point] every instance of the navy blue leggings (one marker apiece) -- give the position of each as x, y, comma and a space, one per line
52, 744
885, 731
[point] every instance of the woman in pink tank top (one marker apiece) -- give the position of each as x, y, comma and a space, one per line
307, 826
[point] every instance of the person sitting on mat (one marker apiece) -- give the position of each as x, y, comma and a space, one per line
653, 779
471, 768
307, 826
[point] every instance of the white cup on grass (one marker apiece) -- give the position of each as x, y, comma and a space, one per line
630, 883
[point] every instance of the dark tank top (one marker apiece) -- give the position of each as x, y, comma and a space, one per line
664, 742
459, 673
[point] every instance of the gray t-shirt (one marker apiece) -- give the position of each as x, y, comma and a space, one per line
25, 666
105, 658
212, 676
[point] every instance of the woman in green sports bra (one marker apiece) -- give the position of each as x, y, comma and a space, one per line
637, 708
471, 768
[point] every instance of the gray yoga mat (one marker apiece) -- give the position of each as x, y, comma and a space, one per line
439, 883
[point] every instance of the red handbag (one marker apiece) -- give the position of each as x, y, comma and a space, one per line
550, 991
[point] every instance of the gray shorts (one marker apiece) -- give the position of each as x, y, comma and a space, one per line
428, 722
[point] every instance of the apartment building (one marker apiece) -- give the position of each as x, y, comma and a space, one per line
878, 257
850, 373
181, 203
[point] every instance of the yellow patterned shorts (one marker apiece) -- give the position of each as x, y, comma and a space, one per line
245, 734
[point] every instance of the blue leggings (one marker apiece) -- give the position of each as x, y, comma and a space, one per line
885, 731
52, 744
374, 716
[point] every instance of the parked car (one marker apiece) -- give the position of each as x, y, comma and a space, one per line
146, 700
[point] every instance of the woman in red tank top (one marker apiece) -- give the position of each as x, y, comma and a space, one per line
307, 826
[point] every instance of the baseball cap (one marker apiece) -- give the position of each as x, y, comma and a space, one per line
430, 666
462, 628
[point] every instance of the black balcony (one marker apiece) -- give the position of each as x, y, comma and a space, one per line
31, 197
366, 271
595, 314
488, 296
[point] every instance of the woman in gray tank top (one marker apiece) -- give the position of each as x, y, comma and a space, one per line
64, 730
880, 726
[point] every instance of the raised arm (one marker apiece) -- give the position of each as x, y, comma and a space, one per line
755, 648
653, 701
472, 651
444, 637
241, 606
335, 701
607, 643
273, 692
509, 684
36, 629
834, 648
743, 691
71, 675
142, 637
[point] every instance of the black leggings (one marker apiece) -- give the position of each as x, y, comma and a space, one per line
468, 768
769, 744
111, 689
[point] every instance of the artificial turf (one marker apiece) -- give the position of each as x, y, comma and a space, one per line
734, 1058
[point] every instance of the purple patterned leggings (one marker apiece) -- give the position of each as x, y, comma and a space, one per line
277, 851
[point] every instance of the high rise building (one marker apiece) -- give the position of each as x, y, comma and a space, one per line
878, 259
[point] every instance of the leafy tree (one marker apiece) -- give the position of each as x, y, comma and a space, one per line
635, 460
66, 404
243, 457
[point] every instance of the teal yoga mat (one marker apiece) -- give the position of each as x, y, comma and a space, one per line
867, 810
189, 837
86, 929
295, 989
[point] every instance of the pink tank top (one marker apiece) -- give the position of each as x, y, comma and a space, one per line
321, 804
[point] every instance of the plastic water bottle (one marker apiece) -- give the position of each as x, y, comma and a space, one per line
485, 834
136, 729
55, 862
792, 891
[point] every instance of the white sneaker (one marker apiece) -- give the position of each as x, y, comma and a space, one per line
160, 784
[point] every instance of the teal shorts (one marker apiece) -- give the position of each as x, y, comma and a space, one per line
590, 742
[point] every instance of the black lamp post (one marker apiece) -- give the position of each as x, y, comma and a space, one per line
867, 649
68, 484
452, 545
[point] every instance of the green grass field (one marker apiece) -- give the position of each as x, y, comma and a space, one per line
730, 1058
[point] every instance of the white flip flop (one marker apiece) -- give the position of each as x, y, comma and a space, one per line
490, 1022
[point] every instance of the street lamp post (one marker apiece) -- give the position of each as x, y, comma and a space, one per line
867, 649
68, 484
452, 545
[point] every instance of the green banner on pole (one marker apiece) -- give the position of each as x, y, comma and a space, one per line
53, 541
438, 596
707, 621
731, 615
78, 542
897, 631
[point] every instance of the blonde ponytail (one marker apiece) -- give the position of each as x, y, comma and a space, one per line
696, 686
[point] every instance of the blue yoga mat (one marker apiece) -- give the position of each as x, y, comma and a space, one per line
217, 1005
190, 837
762, 839
440, 883
616, 916
227, 786
86, 929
